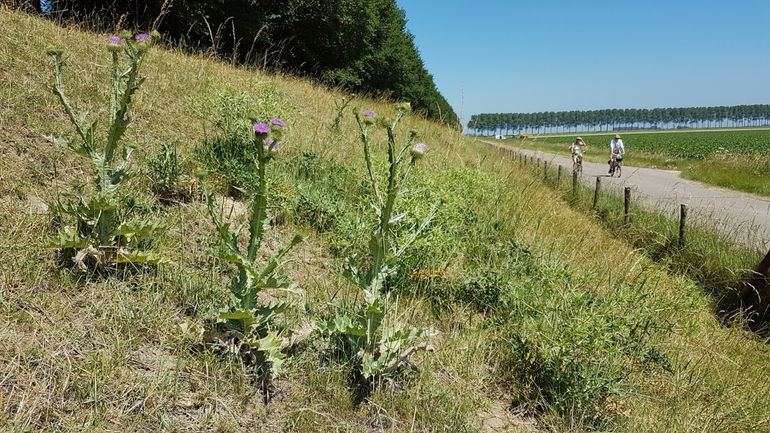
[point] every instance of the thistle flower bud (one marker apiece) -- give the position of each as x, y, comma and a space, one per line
272, 145
126, 34
143, 37
143, 41
261, 128
404, 107
115, 43
387, 122
369, 116
155, 35
418, 150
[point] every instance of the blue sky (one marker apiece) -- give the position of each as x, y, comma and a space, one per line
552, 55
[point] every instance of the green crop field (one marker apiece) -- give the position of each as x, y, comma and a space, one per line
690, 145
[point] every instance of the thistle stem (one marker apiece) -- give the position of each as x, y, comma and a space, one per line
259, 204
368, 159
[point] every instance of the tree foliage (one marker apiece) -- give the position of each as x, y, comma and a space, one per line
617, 119
361, 45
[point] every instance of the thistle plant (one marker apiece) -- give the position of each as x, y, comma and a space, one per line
340, 106
98, 230
380, 348
248, 322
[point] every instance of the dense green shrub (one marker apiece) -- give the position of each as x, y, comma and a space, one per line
317, 210
565, 349
482, 291
229, 152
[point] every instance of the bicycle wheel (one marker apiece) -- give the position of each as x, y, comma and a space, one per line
618, 168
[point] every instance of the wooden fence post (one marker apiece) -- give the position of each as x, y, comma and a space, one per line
682, 224
545, 171
627, 205
596, 192
574, 181
558, 176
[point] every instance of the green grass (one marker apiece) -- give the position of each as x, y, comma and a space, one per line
533, 323
730, 159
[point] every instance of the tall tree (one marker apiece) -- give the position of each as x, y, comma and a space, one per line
362, 45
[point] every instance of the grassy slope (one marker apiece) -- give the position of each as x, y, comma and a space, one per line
110, 355
747, 174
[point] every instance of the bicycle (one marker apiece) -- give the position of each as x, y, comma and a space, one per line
577, 163
616, 165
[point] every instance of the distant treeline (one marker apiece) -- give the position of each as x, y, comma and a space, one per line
361, 45
619, 119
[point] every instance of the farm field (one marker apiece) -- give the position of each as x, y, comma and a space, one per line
738, 160
527, 329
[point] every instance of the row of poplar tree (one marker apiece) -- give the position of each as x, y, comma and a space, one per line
620, 119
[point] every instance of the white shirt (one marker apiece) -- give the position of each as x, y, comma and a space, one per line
616, 143
576, 148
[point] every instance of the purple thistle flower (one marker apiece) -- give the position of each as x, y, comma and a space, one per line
278, 122
143, 37
115, 41
369, 117
261, 128
271, 144
418, 150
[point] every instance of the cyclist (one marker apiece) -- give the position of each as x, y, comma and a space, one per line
576, 149
616, 149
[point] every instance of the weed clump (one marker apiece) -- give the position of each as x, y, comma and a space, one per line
166, 171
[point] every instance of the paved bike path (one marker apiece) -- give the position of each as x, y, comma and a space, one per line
745, 218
